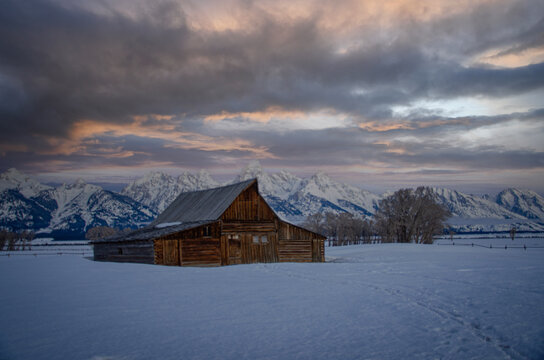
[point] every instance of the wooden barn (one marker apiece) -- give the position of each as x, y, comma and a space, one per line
222, 226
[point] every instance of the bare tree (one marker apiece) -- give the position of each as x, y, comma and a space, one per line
513, 232
341, 229
410, 216
3, 239
315, 223
26, 237
12, 241
331, 227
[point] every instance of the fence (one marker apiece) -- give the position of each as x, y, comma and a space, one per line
497, 246
51, 250
535, 241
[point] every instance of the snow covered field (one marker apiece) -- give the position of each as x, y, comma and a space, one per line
385, 301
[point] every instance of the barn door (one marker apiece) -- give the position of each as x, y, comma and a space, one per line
316, 250
234, 250
171, 253
224, 250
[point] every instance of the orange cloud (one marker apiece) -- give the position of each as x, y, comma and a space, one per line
505, 58
376, 126
258, 116
83, 133
342, 16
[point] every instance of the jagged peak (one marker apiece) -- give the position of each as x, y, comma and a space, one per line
517, 191
254, 164
204, 173
155, 175
321, 178
14, 174
251, 171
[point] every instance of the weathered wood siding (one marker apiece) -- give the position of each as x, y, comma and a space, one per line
194, 247
134, 251
299, 245
249, 206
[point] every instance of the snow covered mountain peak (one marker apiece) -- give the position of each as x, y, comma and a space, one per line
157, 189
80, 182
199, 181
470, 206
251, 171
322, 180
524, 202
14, 179
13, 173
154, 177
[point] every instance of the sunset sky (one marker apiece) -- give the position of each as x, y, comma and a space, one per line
379, 94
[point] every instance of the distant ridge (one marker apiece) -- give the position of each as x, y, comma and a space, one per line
67, 211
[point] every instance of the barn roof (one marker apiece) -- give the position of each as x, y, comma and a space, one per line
152, 232
187, 211
202, 205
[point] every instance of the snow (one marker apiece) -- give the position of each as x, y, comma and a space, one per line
168, 224
387, 301
14, 179
471, 206
525, 202
158, 189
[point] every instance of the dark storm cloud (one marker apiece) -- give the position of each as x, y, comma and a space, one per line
61, 64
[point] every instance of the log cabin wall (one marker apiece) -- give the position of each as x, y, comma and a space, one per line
195, 247
299, 245
133, 251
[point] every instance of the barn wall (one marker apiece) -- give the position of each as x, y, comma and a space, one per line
135, 251
299, 245
249, 206
249, 248
190, 248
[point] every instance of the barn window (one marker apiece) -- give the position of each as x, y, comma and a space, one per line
262, 239
119, 251
207, 231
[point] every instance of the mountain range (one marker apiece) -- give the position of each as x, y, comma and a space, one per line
67, 211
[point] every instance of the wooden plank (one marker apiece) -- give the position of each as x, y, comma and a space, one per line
249, 205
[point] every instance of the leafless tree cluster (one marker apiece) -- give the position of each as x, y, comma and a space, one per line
12, 241
410, 216
100, 232
406, 216
340, 229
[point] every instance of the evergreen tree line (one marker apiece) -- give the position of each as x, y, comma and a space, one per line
12, 241
406, 216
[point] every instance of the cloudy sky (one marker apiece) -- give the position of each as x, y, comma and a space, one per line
380, 94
